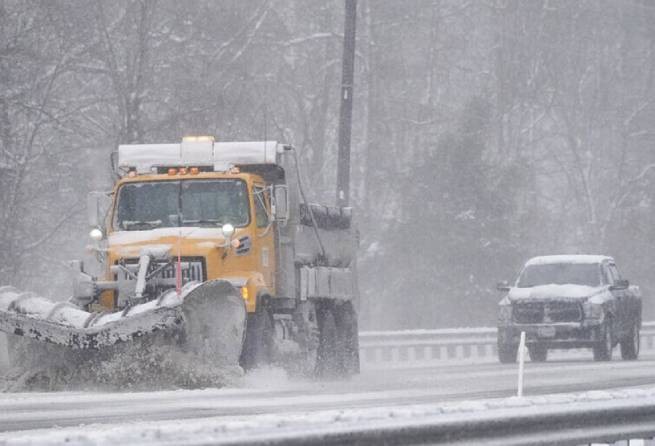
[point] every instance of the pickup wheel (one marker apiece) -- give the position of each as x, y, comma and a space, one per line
603, 348
538, 353
507, 353
630, 345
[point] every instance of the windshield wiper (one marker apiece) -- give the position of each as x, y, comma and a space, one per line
136, 224
212, 222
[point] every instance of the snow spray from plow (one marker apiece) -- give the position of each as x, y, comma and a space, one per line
205, 322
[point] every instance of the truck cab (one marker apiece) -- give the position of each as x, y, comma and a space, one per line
215, 225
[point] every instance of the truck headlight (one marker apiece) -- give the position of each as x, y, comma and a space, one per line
504, 313
593, 310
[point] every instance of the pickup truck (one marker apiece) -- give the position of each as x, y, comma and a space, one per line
569, 301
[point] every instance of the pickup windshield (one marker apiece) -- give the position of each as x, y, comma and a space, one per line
208, 203
560, 274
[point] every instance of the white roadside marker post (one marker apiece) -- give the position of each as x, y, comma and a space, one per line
521, 364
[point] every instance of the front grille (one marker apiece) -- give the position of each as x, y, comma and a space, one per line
196, 270
528, 313
546, 312
563, 312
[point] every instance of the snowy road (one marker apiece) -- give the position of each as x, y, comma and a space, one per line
269, 392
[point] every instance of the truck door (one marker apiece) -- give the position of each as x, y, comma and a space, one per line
264, 246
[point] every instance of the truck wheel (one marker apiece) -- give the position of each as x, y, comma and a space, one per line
603, 349
308, 339
630, 345
538, 353
507, 353
258, 345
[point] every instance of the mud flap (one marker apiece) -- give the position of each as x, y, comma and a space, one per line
338, 352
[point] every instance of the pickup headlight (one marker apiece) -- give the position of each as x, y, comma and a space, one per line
593, 310
504, 313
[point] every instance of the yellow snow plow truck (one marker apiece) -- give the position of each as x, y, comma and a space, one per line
208, 250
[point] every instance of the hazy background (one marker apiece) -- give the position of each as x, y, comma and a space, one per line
485, 132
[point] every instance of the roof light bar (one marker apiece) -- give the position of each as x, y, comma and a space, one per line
201, 153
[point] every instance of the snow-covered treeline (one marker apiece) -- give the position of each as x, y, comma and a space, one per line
485, 132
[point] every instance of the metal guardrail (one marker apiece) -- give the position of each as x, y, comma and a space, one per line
420, 348
425, 347
529, 423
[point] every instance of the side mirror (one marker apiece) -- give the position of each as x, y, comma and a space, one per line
503, 286
97, 205
620, 285
281, 203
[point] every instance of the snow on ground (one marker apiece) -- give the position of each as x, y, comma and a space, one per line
219, 430
266, 377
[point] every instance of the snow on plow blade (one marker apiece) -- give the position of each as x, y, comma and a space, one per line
206, 323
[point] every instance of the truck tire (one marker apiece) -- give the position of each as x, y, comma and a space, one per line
308, 338
258, 344
4, 353
538, 353
603, 348
507, 353
630, 344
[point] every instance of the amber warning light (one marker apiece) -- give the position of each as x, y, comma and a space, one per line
198, 139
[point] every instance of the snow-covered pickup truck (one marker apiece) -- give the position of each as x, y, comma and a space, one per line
571, 301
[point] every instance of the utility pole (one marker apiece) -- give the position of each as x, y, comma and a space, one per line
346, 110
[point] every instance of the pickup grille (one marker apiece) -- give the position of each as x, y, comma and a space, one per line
546, 312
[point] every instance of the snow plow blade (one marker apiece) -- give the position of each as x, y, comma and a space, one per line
205, 323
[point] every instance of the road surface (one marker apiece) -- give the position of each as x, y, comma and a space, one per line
270, 392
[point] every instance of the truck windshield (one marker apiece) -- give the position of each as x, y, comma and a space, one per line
560, 274
208, 203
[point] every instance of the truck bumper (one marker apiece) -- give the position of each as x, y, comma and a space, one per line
561, 335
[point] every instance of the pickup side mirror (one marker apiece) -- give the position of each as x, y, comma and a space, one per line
621, 284
281, 203
503, 286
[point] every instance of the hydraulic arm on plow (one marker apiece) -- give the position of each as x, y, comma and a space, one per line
212, 247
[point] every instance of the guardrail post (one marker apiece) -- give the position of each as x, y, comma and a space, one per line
519, 392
